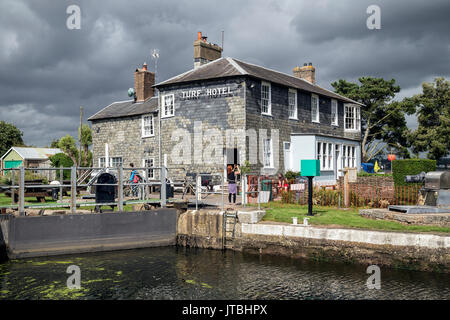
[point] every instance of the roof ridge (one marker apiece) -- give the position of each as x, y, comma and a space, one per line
191, 70
236, 66
294, 77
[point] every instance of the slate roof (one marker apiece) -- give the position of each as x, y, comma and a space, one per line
28, 153
230, 67
126, 108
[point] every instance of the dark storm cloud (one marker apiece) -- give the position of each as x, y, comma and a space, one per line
48, 72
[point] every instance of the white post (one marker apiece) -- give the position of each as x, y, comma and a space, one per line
22, 192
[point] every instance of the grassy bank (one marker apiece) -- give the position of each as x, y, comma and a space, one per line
343, 218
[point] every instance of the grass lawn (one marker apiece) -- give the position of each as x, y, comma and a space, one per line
344, 218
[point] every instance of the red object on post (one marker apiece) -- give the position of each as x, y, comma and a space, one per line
391, 157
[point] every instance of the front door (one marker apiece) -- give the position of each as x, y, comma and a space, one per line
287, 156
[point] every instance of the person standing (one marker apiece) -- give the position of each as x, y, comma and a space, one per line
231, 178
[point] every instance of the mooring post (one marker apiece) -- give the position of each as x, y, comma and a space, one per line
120, 188
61, 174
22, 192
73, 190
163, 187
310, 195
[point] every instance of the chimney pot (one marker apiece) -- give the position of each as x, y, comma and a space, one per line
204, 51
144, 66
307, 72
305, 64
199, 35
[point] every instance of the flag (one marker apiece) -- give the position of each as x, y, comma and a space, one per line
376, 168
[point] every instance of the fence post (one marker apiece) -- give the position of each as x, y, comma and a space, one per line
22, 191
244, 187
223, 200
346, 190
120, 188
196, 191
163, 187
13, 190
61, 181
258, 186
73, 190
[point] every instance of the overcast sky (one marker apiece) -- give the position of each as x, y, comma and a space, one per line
48, 71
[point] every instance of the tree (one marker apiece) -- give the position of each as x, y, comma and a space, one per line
54, 143
10, 136
433, 115
86, 141
61, 160
382, 119
68, 146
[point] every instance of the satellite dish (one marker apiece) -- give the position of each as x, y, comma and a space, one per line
131, 92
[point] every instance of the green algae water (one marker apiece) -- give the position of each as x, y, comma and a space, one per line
182, 273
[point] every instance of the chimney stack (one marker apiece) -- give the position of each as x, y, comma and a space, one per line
143, 82
307, 72
204, 51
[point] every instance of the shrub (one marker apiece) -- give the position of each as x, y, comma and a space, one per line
61, 159
291, 175
402, 168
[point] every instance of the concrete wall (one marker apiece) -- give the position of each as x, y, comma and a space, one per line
73, 233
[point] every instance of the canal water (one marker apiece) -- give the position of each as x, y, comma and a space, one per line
182, 273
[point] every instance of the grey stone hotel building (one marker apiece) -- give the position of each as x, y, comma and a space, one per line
226, 111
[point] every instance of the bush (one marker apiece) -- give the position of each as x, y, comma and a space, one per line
61, 159
29, 176
402, 168
291, 175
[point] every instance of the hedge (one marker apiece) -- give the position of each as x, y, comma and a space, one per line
402, 168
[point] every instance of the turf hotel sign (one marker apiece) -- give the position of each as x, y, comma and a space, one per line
206, 92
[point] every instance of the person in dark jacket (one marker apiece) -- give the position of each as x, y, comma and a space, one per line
231, 177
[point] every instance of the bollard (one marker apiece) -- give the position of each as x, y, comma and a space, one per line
73, 190
120, 189
305, 221
22, 191
294, 220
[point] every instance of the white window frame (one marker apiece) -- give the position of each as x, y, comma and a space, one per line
112, 158
152, 130
294, 105
269, 100
147, 172
334, 112
349, 156
101, 162
270, 164
317, 118
164, 113
325, 155
355, 112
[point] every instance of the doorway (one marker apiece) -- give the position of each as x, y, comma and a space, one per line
231, 157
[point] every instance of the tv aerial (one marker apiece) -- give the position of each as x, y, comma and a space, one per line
155, 56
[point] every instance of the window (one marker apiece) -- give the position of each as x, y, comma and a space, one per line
101, 162
268, 160
292, 97
148, 128
314, 108
116, 161
352, 118
265, 98
148, 163
349, 156
325, 155
168, 109
334, 112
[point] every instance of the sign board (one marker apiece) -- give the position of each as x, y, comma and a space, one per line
352, 175
309, 168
